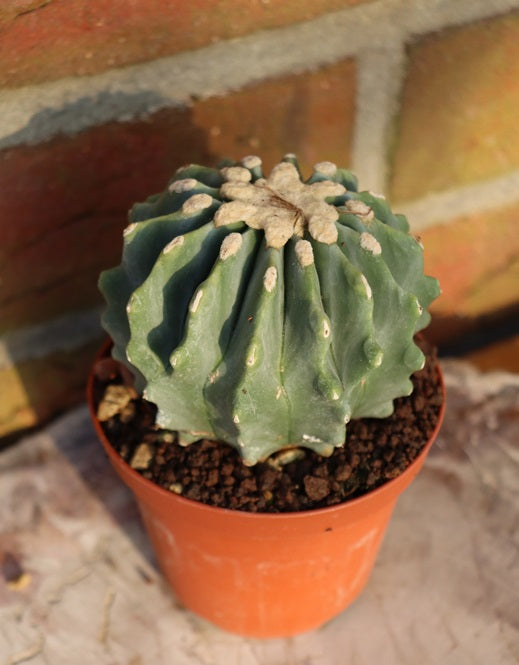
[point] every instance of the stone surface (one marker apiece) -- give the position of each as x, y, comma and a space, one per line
458, 122
77, 575
96, 35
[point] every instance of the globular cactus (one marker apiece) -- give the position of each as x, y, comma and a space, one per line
267, 313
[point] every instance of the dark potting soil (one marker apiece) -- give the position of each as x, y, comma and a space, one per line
375, 451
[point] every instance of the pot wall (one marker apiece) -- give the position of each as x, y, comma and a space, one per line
266, 585
264, 575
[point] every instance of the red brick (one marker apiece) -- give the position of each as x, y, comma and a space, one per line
476, 259
458, 122
64, 203
40, 388
10, 9
85, 37
310, 114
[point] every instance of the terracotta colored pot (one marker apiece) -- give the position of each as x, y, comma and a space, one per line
264, 575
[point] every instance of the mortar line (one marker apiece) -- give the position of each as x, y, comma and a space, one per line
380, 78
36, 113
64, 333
443, 207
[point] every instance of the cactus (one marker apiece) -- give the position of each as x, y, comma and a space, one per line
267, 313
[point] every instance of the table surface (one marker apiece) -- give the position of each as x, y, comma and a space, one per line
82, 587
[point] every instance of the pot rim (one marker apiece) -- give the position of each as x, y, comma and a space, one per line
394, 486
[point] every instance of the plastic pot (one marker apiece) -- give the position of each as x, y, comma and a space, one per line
264, 575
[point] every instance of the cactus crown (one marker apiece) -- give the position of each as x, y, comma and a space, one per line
267, 313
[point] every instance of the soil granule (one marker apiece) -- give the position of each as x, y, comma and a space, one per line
375, 451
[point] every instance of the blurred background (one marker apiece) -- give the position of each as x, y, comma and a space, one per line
101, 101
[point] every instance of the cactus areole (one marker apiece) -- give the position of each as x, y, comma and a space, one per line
268, 312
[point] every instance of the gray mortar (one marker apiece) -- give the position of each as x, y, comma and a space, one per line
62, 334
441, 207
35, 113
377, 104
83, 113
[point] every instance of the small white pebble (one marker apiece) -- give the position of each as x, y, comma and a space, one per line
176, 242
270, 278
335, 396
183, 185
236, 419
370, 244
196, 203
142, 457
115, 400
284, 457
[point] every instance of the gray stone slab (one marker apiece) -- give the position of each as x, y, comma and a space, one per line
445, 589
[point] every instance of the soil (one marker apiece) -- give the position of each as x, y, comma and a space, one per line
375, 451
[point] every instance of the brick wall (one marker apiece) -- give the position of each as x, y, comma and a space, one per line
100, 102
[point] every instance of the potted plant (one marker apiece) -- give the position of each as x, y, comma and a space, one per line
262, 332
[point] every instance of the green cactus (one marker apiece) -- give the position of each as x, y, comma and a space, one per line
267, 313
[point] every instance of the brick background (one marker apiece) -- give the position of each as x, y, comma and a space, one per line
476, 260
458, 122
310, 114
36, 390
97, 35
63, 201
64, 205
